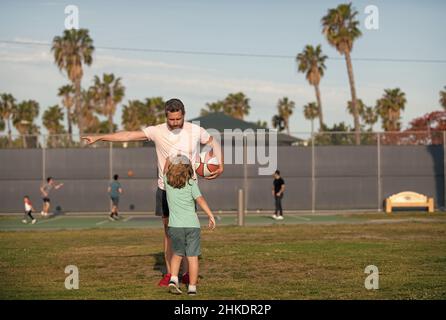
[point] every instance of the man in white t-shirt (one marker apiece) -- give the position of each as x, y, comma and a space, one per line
171, 138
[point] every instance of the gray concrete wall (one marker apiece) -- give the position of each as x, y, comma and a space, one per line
346, 177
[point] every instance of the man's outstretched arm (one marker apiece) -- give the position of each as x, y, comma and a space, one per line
121, 136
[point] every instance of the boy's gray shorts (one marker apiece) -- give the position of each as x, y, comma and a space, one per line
185, 241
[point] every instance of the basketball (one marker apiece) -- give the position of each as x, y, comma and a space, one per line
130, 173
206, 163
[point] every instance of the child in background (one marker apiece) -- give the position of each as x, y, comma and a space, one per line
28, 210
184, 227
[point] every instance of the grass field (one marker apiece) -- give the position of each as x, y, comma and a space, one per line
305, 257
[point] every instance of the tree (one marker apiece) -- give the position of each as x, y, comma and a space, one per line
370, 117
107, 93
389, 108
285, 109
8, 109
443, 98
66, 92
235, 105
340, 27
137, 114
430, 127
311, 112
24, 117
311, 61
238, 103
278, 123
73, 49
262, 124
52, 118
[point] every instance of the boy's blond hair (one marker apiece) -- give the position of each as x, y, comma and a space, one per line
179, 171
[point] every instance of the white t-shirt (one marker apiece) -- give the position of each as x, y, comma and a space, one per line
185, 141
28, 206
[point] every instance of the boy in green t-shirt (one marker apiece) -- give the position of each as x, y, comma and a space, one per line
184, 227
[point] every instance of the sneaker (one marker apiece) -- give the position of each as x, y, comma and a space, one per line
192, 292
274, 217
111, 218
185, 278
173, 288
34, 221
164, 282
24, 221
280, 218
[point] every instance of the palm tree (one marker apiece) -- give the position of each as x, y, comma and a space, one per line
360, 106
8, 108
66, 93
73, 49
238, 104
51, 119
23, 119
153, 112
218, 106
370, 117
278, 123
340, 27
285, 108
443, 98
389, 108
131, 115
262, 124
107, 93
312, 63
137, 114
311, 112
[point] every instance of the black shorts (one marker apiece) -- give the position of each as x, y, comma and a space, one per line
161, 206
46, 199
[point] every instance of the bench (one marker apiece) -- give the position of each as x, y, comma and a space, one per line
409, 199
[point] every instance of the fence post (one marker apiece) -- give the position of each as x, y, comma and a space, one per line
379, 173
241, 208
444, 170
313, 179
43, 157
245, 172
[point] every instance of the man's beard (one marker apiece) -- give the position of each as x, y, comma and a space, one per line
176, 127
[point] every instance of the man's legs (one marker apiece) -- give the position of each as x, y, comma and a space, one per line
167, 246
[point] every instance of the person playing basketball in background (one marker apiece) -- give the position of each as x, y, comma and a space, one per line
278, 190
28, 210
114, 190
175, 136
45, 190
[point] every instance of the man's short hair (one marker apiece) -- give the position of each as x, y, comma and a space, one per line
49, 179
174, 105
115, 177
277, 172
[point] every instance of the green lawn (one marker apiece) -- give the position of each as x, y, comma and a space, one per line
276, 261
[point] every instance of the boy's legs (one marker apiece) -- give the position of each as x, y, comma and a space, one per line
193, 270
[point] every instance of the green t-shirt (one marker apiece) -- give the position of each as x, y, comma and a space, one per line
114, 189
182, 204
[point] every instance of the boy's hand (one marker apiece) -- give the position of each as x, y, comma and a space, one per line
211, 223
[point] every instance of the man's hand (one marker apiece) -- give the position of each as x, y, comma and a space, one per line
91, 139
216, 173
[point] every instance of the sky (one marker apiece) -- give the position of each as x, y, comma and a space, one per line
408, 30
